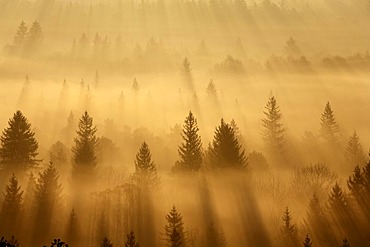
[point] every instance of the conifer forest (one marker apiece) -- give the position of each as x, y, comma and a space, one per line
184, 123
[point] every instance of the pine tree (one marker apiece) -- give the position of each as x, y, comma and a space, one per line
211, 89
20, 36
47, 198
273, 130
366, 177
190, 151
225, 151
106, 243
18, 149
329, 127
11, 206
288, 230
34, 38
356, 185
145, 169
84, 157
135, 86
130, 241
174, 229
307, 242
316, 222
337, 200
186, 74
354, 152
345, 243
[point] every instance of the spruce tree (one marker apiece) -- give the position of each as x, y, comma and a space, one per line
186, 74
11, 207
288, 230
29, 197
211, 89
273, 130
34, 38
20, 37
18, 149
329, 127
130, 240
356, 185
225, 150
190, 151
337, 200
354, 152
135, 86
84, 151
47, 199
145, 169
174, 229
307, 242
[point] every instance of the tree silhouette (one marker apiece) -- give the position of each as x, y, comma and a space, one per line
289, 230
48, 195
215, 237
130, 241
29, 197
354, 152
356, 185
329, 127
174, 229
106, 243
34, 38
20, 37
145, 169
317, 223
73, 230
273, 131
18, 149
186, 74
225, 150
211, 89
190, 151
307, 242
84, 157
135, 86
11, 207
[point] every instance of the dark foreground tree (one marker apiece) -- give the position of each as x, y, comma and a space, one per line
130, 240
18, 149
58, 243
174, 229
145, 169
84, 151
190, 151
11, 207
225, 150
273, 130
